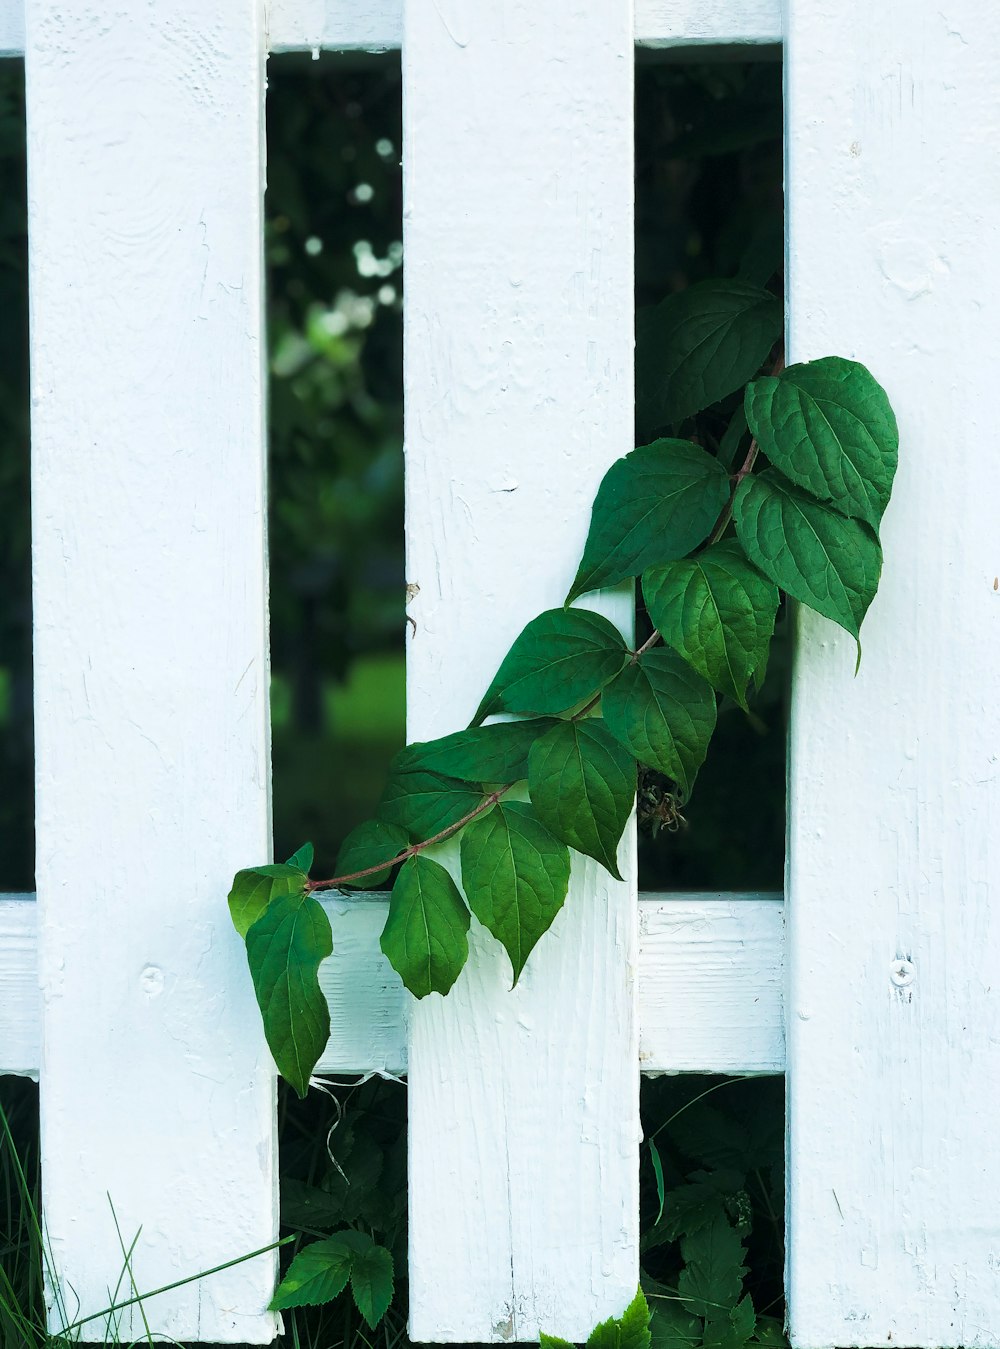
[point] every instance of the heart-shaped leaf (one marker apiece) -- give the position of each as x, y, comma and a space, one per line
654, 505
828, 426
699, 345
497, 753
254, 888
372, 1282
423, 804
561, 657
316, 1275
664, 714
426, 935
582, 784
820, 557
369, 845
515, 875
718, 611
285, 948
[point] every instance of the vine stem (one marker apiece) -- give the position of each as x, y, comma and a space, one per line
336, 881
722, 524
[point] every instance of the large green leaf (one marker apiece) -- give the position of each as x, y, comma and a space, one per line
654, 505
822, 558
712, 1278
671, 1327
699, 345
254, 888
426, 935
664, 714
285, 948
423, 804
371, 1282
497, 753
718, 611
369, 845
582, 784
562, 657
316, 1275
515, 875
828, 426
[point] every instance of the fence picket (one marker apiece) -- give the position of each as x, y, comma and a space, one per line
524, 1127
894, 928
145, 178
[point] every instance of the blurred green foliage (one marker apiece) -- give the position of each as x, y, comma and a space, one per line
708, 203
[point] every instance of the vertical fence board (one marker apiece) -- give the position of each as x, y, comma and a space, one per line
518, 156
145, 176
894, 920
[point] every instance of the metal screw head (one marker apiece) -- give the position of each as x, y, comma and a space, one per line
902, 973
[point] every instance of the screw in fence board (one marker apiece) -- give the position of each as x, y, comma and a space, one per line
524, 1126
145, 185
894, 880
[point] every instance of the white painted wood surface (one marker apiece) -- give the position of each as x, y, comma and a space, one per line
376, 25
711, 987
11, 27
523, 1117
145, 186
894, 884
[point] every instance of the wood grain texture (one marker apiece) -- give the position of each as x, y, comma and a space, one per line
145, 186
20, 1003
523, 1115
894, 880
710, 987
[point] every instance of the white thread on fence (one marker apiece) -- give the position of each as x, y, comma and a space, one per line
894, 810
145, 186
711, 987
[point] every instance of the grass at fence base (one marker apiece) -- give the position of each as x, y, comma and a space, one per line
730, 1129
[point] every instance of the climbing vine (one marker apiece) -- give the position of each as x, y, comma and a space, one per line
788, 499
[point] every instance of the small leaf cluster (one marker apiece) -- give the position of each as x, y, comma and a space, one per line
713, 549
353, 1203
628, 1331
718, 1182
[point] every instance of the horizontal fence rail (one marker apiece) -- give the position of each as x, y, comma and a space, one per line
711, 975
370, 25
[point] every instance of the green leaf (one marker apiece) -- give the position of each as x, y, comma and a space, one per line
372, 1283
497, 753
316, 1275
664, 714
654, 505
718, 611
515, 876
770, 1332
733, 1328
688, 1208
307, 1206
654, 1153
303, 858
370, 844
671, 1327
582, 784
285, 948
828, 426
423, 804
425, 938
561, 657
712, 1277
628, 1331
699, 345
254, 888
553, 1342
830, 563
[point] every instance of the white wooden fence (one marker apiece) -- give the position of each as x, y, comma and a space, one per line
125, 988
